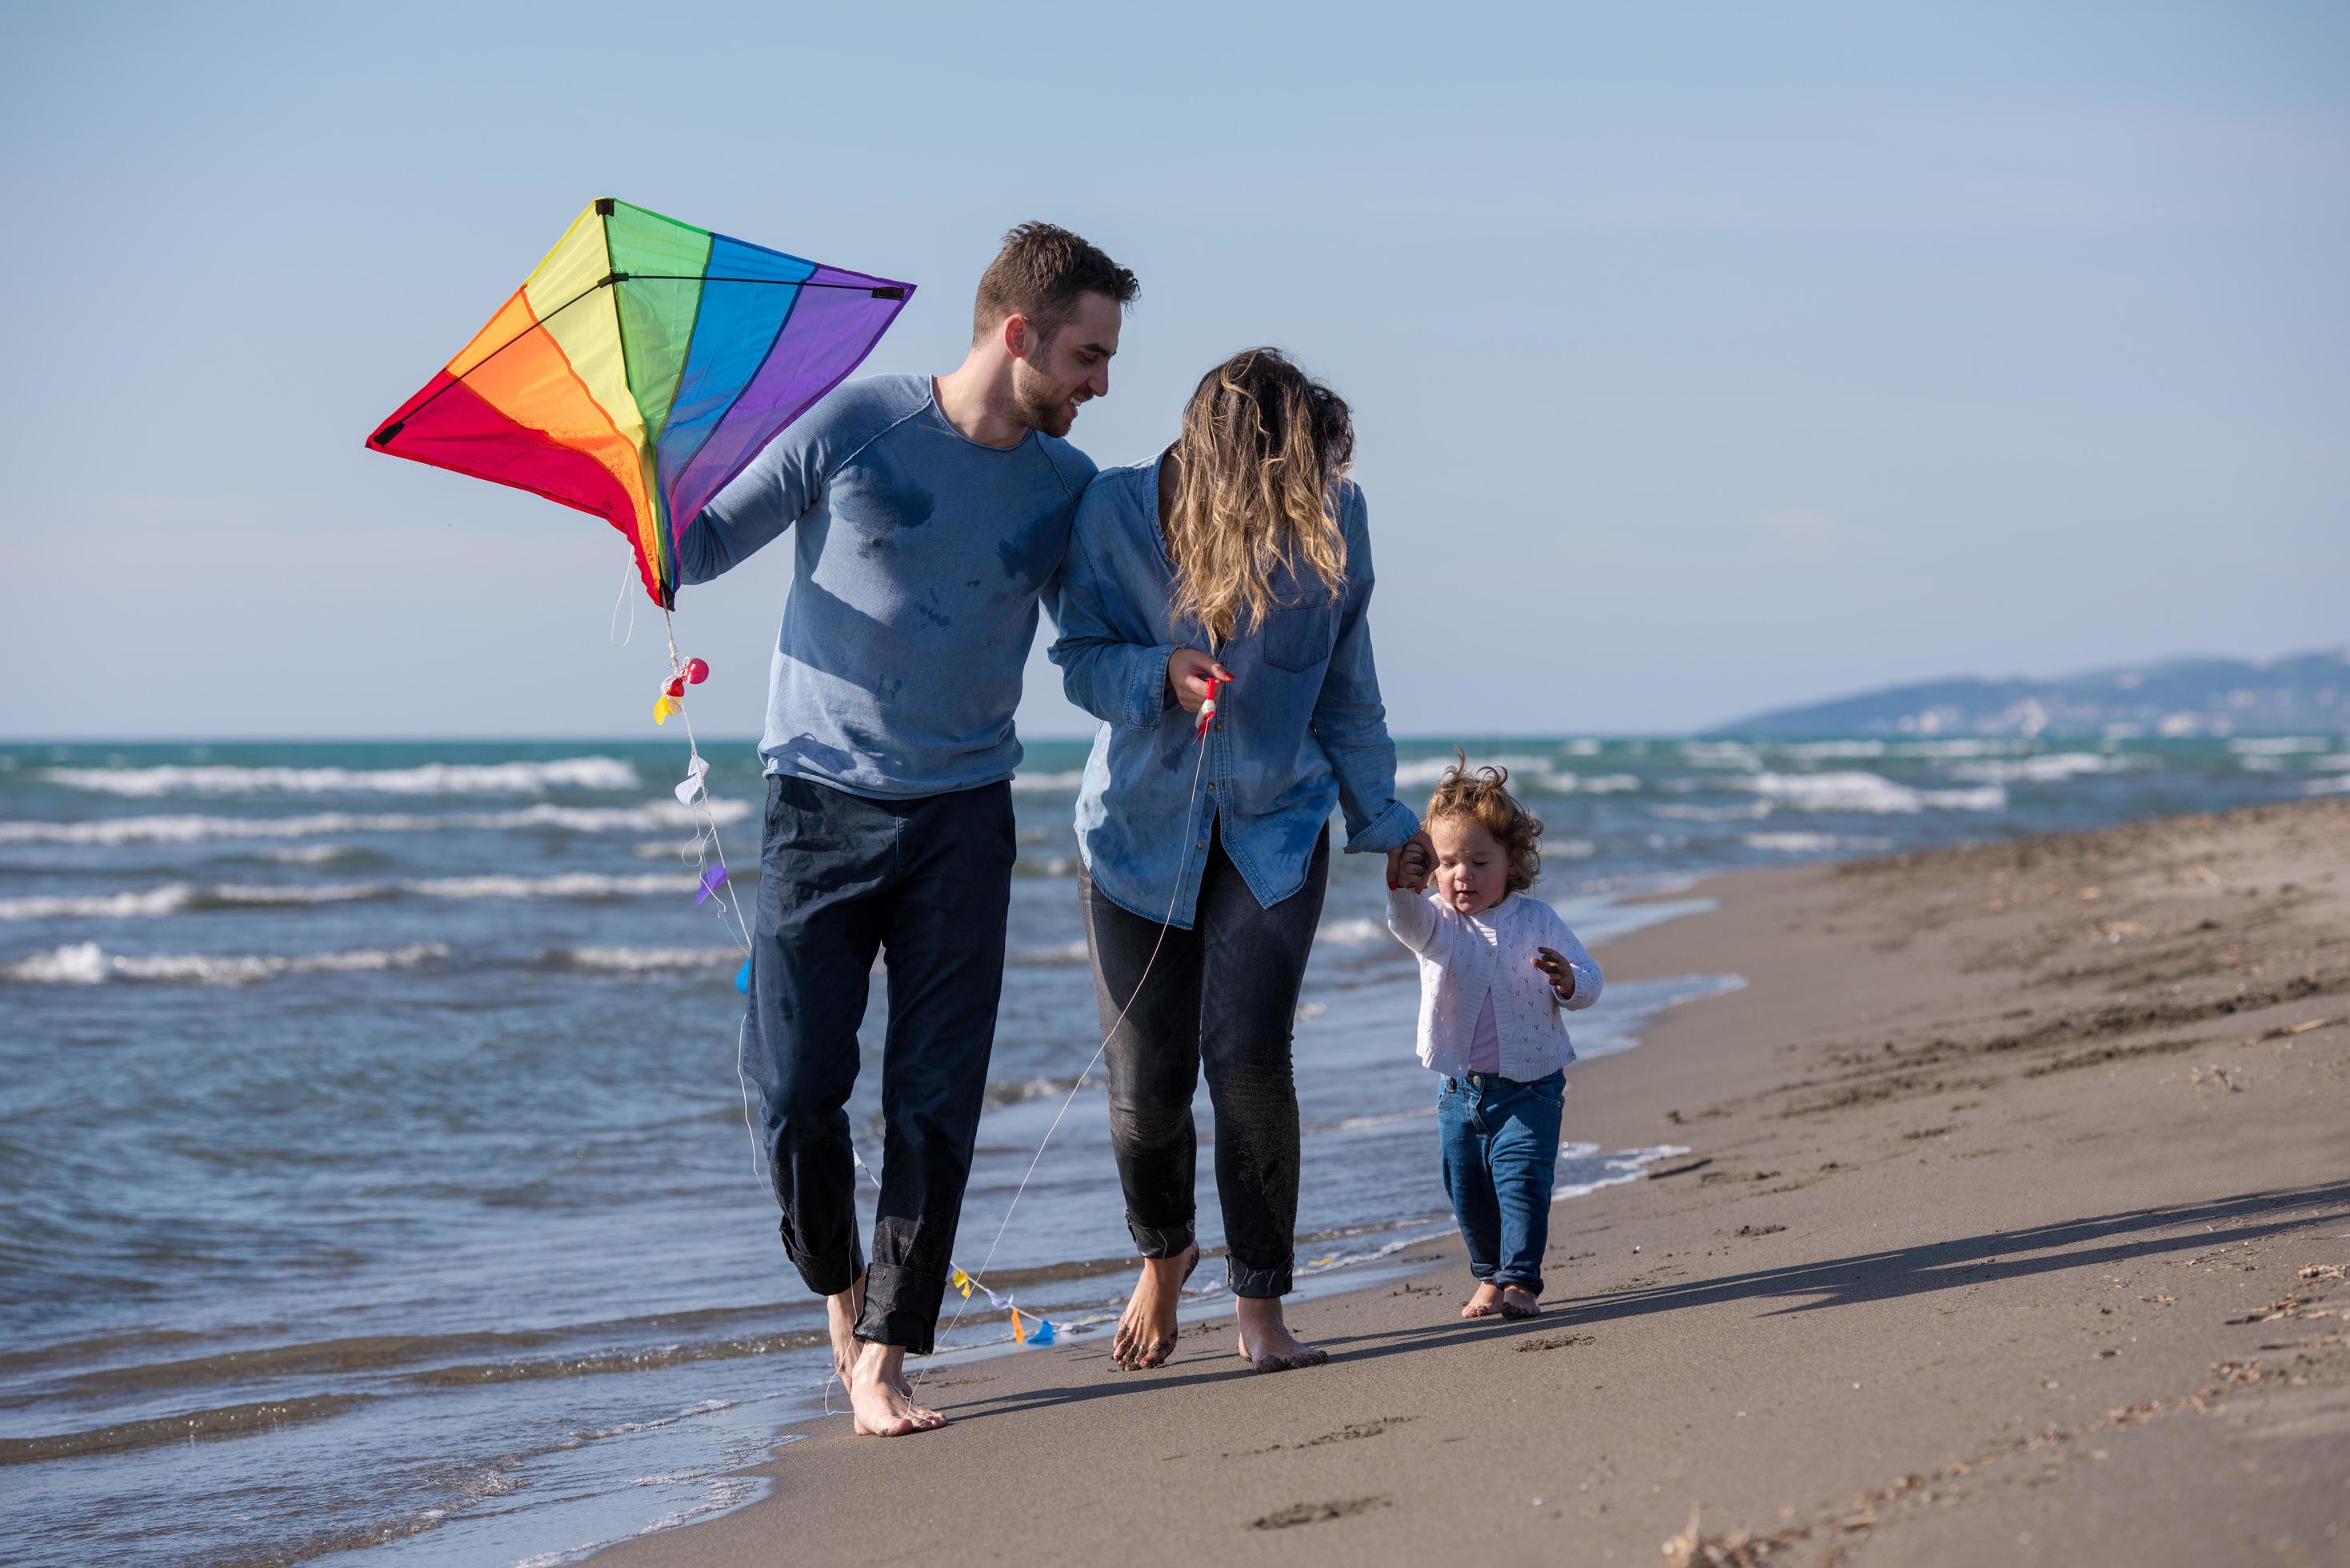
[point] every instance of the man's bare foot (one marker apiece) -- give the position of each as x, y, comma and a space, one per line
878, 1397
1485, 1302
840, 1314
1145, 1330
1265, 1342
1519, 1301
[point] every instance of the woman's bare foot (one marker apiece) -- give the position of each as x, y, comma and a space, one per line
1265, 1342
840, 1314
877, 1397
1145, 1330
1519, 1301
1485, 1302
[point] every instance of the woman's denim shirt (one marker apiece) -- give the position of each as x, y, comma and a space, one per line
1300, 729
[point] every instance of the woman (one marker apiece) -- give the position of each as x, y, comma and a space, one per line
1240, 554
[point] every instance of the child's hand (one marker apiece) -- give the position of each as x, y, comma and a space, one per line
1561, 973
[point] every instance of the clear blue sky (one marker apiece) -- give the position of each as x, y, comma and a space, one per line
1706, 356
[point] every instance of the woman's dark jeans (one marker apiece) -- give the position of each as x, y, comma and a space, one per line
1223, 995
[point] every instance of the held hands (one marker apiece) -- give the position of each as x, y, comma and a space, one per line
1188, 670
1410, 864
1562, 974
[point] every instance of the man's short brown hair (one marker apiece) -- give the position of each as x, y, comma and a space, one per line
1039, 274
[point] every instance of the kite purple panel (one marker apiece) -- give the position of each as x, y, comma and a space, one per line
827, 335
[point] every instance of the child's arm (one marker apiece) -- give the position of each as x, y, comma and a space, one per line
1574, 976
1412, 919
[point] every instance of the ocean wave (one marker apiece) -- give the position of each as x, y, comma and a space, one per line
1793, 843
1047, 784
645, 960
651, 817
1054, 957
1353, 933
2280, 746
1430, 771
2338, 784
1020, 1091
570, 885
1748, 811
2046, 769
1822, 749
1867, 792
1720, 755
183, 897
85, 963
608, 773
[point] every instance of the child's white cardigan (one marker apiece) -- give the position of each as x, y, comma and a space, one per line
1462, 957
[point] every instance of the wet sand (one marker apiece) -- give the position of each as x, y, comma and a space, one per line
2013, 1229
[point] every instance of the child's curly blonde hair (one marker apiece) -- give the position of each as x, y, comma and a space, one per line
1481, 797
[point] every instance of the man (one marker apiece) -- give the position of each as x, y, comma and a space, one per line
931, 515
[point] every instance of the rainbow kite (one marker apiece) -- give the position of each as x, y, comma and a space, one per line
640, 367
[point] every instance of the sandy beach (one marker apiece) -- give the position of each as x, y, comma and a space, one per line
2013, 1228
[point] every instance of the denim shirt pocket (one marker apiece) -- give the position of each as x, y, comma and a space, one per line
1298, 637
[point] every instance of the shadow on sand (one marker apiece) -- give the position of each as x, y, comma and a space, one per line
2100, 1241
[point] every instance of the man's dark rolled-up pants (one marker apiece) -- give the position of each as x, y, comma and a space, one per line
926, 882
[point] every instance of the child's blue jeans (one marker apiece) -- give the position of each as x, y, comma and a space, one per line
1500, 1139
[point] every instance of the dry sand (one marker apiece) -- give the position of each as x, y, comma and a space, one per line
2012, 1231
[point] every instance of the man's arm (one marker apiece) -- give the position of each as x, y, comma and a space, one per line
775, 491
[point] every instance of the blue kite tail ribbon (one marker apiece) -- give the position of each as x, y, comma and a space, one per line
743, 978
713, 876
1044, 1335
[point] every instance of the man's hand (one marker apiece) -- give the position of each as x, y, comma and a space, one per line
1409, 863
1188, 670
1562, 974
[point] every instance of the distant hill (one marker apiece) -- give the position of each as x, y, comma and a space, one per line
2307, 693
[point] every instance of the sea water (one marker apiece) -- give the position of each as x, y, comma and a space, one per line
374, 1175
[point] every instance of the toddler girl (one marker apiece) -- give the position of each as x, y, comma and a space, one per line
1498, 972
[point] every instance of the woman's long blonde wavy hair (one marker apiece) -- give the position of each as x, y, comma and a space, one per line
1259, 458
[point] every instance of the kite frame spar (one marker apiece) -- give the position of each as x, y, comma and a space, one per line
573, 425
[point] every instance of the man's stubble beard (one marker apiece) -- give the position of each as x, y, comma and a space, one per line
1032, 395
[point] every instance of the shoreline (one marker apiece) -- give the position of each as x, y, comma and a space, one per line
1915, 1296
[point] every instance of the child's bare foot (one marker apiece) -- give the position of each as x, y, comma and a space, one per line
1485, 1302
840, 1314
1519, 1301
878, 1397
1145, 1330
1265, 1342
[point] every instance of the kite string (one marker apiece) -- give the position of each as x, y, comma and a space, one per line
697, 769
1182, 869
627, 570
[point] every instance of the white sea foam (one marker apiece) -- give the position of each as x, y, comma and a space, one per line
168, 899
572, 885
1868, 793
1047, 784
2282, 746
1054, 957
430, 778
2047, 768
2338, 784
1430, 771
2332, 765
1720, 754
646, 961
651, 817
178, 898
1751, 811
309, 854
1822, 749
1793, 843
85, 963
1353, 933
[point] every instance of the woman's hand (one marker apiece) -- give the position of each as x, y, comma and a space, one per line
1188, 670
1562, 973
1409, 863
